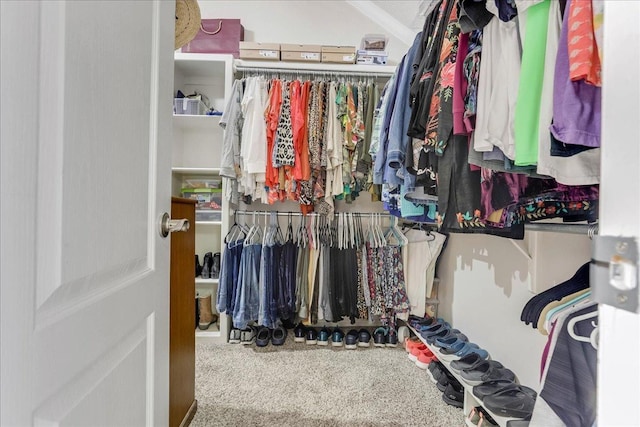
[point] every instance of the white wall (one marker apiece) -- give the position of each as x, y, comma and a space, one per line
484, 284
322, 22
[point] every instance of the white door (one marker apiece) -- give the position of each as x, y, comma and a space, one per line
619, 349
85, 174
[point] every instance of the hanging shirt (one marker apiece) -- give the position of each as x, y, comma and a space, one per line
584, 59
576, 105
498, 86
272, 117
283, 153
232, 122
527, 113
582, 168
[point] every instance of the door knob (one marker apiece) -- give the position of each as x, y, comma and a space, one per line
168, 225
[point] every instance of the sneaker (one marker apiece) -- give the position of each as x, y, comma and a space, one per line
454, 395
247, 336
423, 360
263, 337
379, 337
323, 337
364, 338
299, 333
411, 343
234, 336
416, 351
444, 380
337, 337
391, 340
351, 340
437, 371
311, 337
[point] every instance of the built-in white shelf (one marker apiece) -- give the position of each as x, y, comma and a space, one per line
195, 171
201, 64
470, 400
212, 332
209, 222
197, 122
201, 281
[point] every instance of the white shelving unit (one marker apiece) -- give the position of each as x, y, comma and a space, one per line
197, 145
470, 401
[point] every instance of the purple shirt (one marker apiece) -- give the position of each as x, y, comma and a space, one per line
576, 105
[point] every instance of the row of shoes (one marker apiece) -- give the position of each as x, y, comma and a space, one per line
382, 337
262, 336
423, 357
210, 267
450, 351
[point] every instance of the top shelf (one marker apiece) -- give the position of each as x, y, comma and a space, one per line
200, 64
381, 70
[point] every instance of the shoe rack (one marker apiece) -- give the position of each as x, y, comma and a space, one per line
196, 155
470, 400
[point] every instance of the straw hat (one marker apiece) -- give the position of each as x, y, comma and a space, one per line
187, 21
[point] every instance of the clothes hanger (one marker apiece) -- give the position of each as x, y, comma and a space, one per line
235, 228
290, 228
593, 337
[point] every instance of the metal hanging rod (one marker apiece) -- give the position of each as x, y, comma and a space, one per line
588, 229
302, 72
280, 213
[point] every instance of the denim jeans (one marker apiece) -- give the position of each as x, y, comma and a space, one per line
247, 301
268, 274
230, 264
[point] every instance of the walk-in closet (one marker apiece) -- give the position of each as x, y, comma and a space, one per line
320, 213
444, 206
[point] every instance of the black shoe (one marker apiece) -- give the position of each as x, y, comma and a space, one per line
198, 266
391, 340
444, 380
197, 311
206, 265
351, 340
380, 337
279, 336
299, 333
337, 337
364, 338
311, 336
263, 337
454, 394
435, 372
215, 266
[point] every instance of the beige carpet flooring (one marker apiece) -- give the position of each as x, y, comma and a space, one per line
300, 385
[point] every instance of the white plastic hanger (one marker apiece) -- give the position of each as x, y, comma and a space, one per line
593, 337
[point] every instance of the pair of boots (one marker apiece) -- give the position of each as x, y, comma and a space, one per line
210, 268
204, 315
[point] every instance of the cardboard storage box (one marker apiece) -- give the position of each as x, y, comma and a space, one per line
301, 52
372, 57
261, 51
339, 54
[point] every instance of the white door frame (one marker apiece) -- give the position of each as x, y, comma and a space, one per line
619, 348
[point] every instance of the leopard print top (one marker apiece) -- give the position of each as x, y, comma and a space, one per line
284, 154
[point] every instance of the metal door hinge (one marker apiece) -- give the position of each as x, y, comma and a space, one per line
614, 272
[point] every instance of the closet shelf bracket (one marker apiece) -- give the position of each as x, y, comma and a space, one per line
614, 272
523, 247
